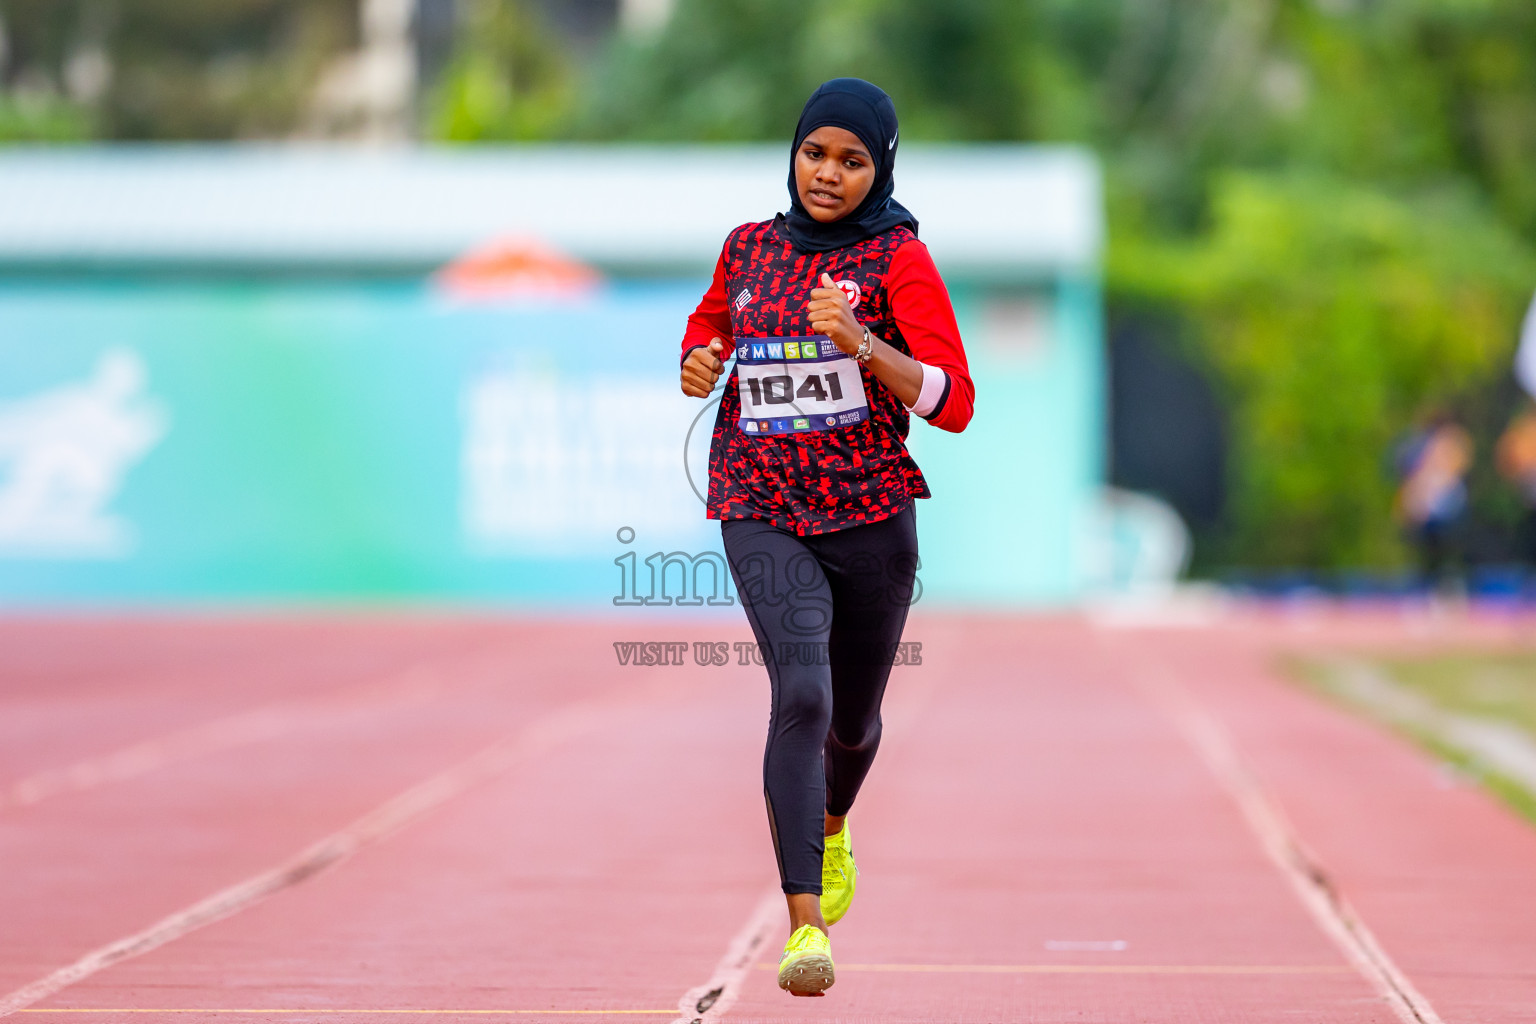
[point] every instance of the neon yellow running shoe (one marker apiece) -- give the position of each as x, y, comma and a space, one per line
839, 876
806, 969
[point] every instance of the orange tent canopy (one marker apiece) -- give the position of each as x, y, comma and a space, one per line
516, 267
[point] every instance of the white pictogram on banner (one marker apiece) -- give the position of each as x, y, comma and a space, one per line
64, 454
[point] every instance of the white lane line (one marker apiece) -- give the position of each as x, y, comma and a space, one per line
710, 1001
263, 723
313, 1012
1219, 969
387, 818
1308, 877
1491, 743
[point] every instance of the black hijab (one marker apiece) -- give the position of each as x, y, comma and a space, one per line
868, 112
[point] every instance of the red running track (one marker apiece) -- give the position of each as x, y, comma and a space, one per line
412, 819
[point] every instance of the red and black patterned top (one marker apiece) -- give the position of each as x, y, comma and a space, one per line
818, 482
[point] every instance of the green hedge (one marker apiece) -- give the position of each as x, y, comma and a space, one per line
1332, 315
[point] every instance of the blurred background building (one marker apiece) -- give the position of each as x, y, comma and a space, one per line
1321, 221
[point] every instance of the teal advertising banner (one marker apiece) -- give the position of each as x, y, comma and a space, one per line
254, 442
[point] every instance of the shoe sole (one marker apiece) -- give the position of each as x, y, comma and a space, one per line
810, 975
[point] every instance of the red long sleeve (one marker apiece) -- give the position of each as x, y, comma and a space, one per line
920, 304
712, 318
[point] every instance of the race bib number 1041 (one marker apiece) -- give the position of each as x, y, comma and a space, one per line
796, 385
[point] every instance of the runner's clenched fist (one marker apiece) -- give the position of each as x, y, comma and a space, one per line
832, 316
702, 368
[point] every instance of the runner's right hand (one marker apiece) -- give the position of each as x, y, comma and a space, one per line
702, 368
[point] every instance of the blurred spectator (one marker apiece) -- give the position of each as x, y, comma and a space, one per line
1516, 456
1432, 464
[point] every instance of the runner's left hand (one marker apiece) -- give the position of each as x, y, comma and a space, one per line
832, 316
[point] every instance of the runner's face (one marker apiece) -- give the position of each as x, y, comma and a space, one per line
833, 173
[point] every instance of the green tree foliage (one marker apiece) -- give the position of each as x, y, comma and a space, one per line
509, 79
1335, 314
167, 69
39, 117
741, 69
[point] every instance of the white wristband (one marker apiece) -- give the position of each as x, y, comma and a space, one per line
934, 380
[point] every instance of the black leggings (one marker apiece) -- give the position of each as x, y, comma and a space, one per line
827, 611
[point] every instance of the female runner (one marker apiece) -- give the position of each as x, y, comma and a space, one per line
841, 328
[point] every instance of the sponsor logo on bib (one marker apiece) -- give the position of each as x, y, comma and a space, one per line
807, 380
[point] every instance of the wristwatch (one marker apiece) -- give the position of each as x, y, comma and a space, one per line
866, 347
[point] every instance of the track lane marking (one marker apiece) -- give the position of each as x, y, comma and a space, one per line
710, 1001
200, 1009
386, 819
252, 726
1309, 879
1242, 969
